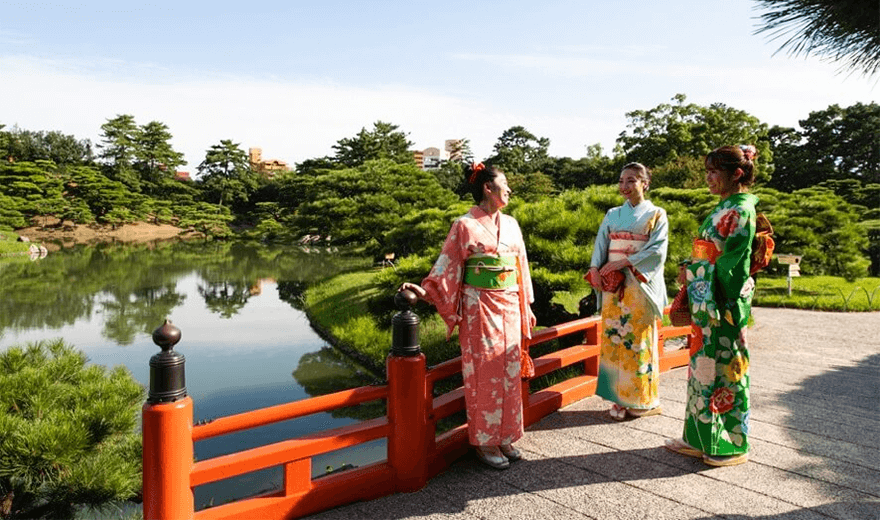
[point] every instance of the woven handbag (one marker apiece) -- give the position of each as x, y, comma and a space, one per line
680, 309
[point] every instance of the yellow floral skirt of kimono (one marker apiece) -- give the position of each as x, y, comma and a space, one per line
629, 363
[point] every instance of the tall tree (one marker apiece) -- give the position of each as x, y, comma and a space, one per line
385, 141
840, 30
519, 151
523, 157
835, 143
226, 172
678, 135
118, 149
156, 159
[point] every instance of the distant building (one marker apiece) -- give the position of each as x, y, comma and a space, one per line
431, 158
182, 176
267, 167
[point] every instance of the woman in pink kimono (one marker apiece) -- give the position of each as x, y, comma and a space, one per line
481, 284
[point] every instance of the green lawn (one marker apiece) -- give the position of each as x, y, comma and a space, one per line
822, 293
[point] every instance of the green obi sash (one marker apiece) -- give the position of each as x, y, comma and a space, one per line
490, 272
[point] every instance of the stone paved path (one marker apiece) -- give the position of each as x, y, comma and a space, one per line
815, 446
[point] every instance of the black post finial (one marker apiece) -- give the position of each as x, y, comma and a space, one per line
167, 374
405, 326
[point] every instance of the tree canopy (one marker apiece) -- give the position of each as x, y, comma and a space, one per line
362, 204
227, 173
673, 138
844, 31
835, 143
384, 141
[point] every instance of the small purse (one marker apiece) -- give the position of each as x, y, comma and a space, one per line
680, 309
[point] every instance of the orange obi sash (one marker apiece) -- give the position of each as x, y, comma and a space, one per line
705, 250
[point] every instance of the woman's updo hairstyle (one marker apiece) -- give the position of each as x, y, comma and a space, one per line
730, 158
476, 175
641, 170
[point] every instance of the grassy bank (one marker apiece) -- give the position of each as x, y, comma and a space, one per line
338, 309
9, 244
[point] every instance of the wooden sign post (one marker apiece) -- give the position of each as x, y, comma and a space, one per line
794, 266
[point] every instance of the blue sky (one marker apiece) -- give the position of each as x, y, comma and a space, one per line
294, 77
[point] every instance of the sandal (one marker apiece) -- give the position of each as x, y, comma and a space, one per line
512, 454
617, 412
491, 456
727, 460
644, 412
682, 448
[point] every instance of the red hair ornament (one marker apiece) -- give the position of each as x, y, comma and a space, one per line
475, 170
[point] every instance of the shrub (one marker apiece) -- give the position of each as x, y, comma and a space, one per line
67, 432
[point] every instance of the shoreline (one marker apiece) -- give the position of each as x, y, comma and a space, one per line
56, 235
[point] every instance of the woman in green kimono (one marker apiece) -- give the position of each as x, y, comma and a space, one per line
720, 292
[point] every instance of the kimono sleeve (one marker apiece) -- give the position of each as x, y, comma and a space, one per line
600, 246
443, 284
529, 291
732, 267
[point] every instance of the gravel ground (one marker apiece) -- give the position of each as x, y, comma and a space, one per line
812, 331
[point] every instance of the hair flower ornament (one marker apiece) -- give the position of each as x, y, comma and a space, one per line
749, 151
476, 168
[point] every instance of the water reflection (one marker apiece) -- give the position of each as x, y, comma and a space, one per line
247, 342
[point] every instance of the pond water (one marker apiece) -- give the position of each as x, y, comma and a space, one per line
247, 342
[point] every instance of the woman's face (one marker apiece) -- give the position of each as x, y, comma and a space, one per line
719, 182
499, 192
631, 185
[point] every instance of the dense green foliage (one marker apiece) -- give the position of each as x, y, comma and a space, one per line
834, 144
673, 139
67, 432
370, 193
362, 204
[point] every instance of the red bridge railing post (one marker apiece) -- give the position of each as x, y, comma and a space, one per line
407, 399
167, 434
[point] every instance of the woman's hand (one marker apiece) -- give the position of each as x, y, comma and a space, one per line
532, 319
594, 278
416, 288
615, 265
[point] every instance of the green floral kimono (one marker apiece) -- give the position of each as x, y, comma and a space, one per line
720, 293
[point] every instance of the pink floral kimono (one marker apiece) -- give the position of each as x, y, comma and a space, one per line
489, 321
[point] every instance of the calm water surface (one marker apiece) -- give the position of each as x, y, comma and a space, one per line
247, 343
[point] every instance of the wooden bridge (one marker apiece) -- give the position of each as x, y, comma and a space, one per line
416, 453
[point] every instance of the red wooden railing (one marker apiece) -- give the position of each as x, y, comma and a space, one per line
415, 452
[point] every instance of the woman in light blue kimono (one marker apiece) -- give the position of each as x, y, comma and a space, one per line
627, 272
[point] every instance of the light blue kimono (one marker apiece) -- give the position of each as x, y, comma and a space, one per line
629, 367
650, 260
